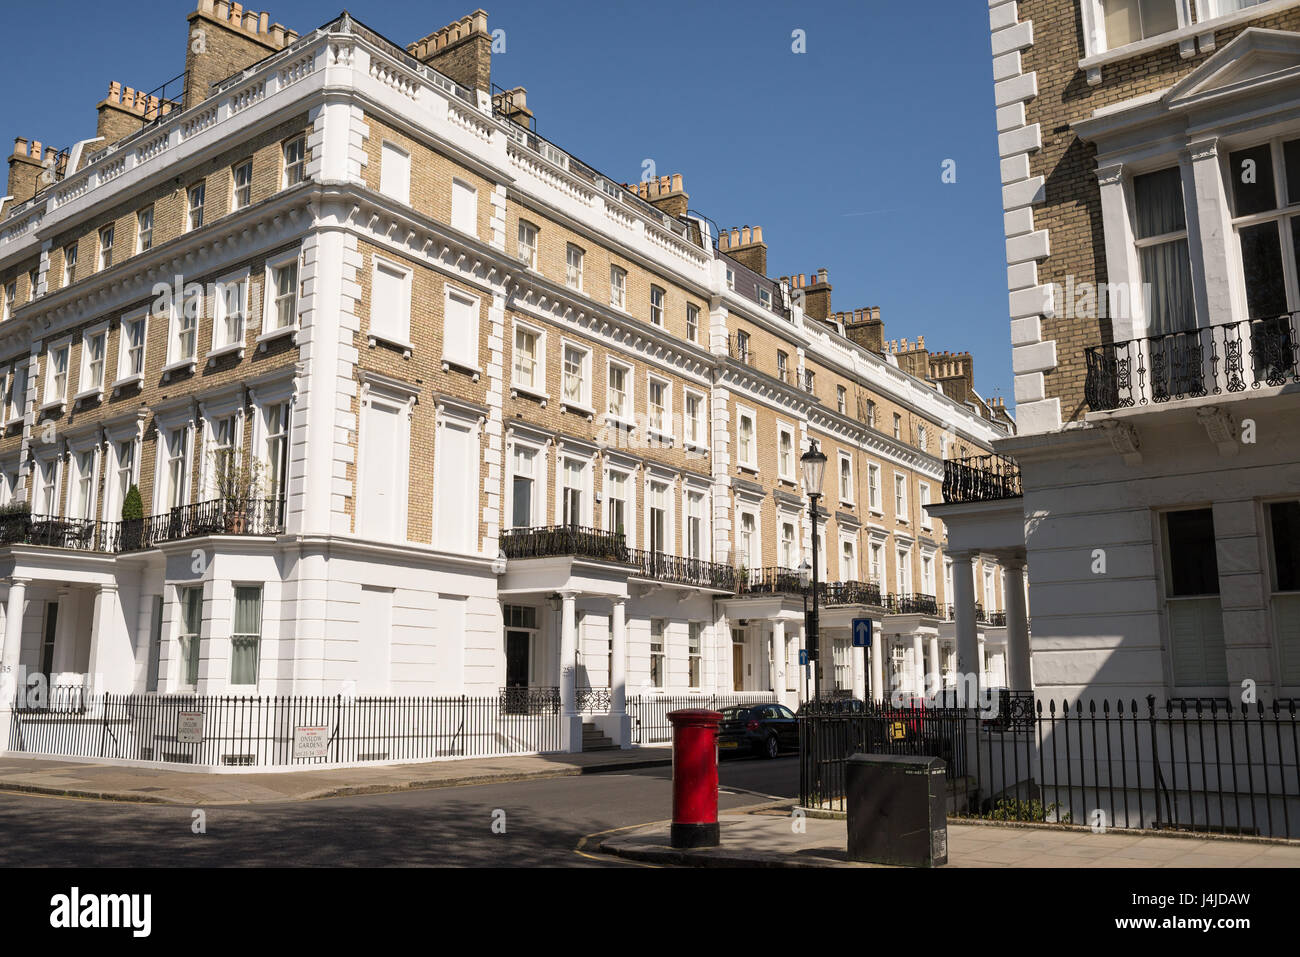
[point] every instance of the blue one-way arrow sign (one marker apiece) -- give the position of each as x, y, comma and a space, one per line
862, 632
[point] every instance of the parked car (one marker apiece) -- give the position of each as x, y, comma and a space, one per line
765, 729
835, 706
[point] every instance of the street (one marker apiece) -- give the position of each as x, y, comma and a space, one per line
544, 821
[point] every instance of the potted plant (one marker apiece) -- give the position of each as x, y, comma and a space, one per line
15, 519
132, 519
238, 484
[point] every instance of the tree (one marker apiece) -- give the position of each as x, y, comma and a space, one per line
132, 505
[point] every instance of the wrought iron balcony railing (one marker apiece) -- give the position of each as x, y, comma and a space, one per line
682, 571
911, 605
981, 478
259, 516
739, 350
527, 700
50, 531
557, 541
215, 517
850, 593
1214, 360
772, 580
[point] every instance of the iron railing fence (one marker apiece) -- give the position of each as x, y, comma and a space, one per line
565, 541
981, 478
1185, 765
51, 531
772, 580
649, 713
212, 731
529, 699
682, 571
851, 593
594, 700
911, 605
1228, 358
213, 517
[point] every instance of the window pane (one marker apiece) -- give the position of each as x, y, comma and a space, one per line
1285, 520
1261, 262
1291, 157
1159, 199
1123, 22
1167, 269
1158, 16
248, 610
1193, 561
1252, 180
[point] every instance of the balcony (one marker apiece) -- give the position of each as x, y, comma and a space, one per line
259, 517
850, 593
566, 541
738, 349
981, 478
682, 571
773, 580
1227, 359
911, 605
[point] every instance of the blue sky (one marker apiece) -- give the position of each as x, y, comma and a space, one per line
837, 152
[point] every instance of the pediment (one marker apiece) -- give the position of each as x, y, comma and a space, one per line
1253, 59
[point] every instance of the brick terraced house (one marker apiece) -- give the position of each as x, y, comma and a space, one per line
418, 404
1151, 168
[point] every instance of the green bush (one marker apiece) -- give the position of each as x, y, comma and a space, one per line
1016, 810
15, 508
133, 505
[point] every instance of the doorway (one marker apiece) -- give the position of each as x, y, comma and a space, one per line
737, 659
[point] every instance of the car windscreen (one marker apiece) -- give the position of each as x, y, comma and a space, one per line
734, 714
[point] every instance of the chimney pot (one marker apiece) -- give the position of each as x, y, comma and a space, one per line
758, 234
744, 236
20, 146
36, 149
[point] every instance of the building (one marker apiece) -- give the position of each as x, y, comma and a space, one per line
1148, 151
417, 403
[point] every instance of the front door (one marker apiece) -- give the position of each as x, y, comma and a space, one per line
517, 659
737, 667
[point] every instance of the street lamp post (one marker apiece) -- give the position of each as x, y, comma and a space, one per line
813, 463
805, 580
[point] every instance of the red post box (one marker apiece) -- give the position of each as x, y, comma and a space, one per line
695, 777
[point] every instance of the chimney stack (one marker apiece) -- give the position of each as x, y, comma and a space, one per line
513, 104
666, 194
461, 51
25, 166
864, 327
225, 38
746, 246
817, 296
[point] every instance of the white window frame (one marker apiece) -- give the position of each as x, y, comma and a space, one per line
107, 239
1094, 30
141, 232
457, 220
845, 459
903, 569
469, 360
665, 428
875, 501
69, 266
43, 504
900, 498
618, 287
750, 461
395, 176
659, 309
222, 343
537, 388
849, 543
537, 497
78, 477
257, 639
114, 489
271, 326
628, 481
50, 398
526, 235
293, 170
582, 403
784, 473
694, 427
841, 400
659, 481
398, 333
628, 373
176, 324
692, 322
753, 559
207, 467
235, 188
162, 468
923, 501
200, 191
561, 487
691, 493
574, 258
789, 553
10, 301
929, 586
84, 389
15, 406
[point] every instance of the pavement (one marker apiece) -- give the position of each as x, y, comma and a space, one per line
767, 837
165, 786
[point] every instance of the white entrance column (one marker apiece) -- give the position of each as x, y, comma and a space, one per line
969, 676
572, 720
936, 668
778, 660
918, 663
877, 665
858, 659
1019, 677
9, 655
984, 664
108, 669
618, 673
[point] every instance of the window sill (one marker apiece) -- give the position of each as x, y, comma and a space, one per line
53, 405
87, 395
695, 447
664, 438
516, 391
473, 371
405, 347
748, 470
268, 337
234, 349
618, 422
185, 365
578, 409
128, 380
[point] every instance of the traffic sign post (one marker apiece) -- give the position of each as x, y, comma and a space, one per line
863, 629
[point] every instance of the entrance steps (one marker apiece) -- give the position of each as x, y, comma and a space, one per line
593, 739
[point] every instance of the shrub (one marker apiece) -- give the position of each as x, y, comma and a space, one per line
1011, 809
133, 505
